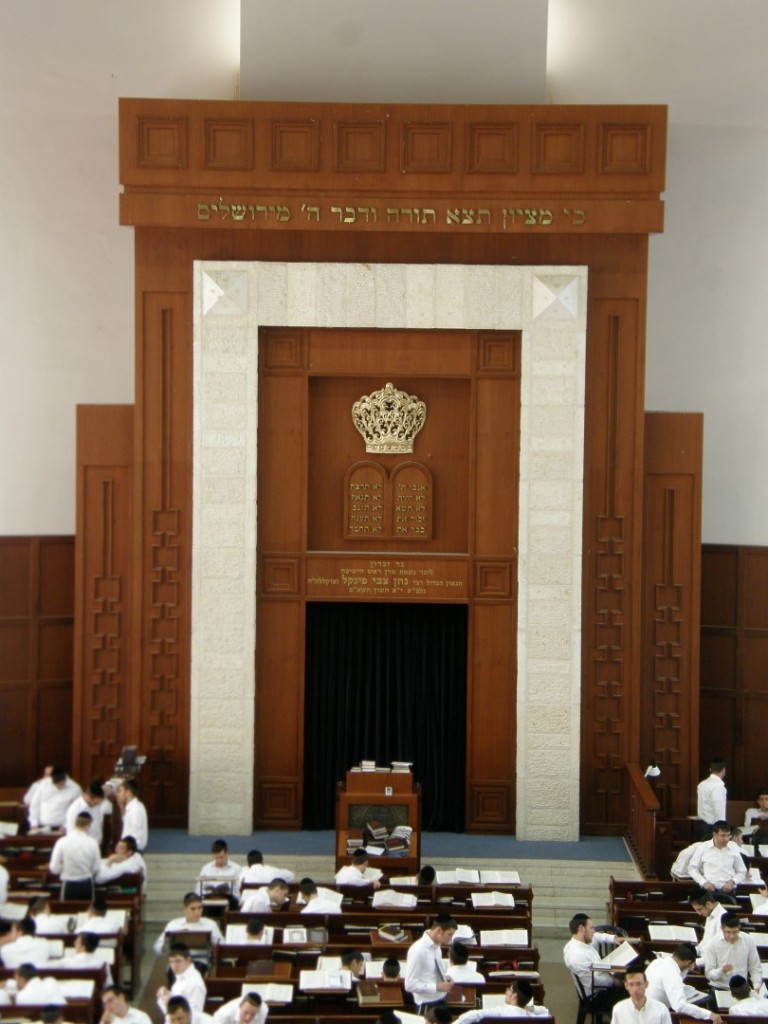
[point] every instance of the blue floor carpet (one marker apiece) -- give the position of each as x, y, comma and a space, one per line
434, 844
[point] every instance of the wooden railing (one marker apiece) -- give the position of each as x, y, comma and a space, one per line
641, 830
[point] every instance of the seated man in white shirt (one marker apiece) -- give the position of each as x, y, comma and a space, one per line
462, 970
358, 872
665, 982
181, 1012
639, 1007
117, 1009
259, 873
715, 866
316, 902
126, 860
192, 921
581, 957
24, 947
748, 1003
352, 960
188, 981
268, 898
220, 875
87, 954
518, 1002
250, 1009
754, 815
32, 990
680, 870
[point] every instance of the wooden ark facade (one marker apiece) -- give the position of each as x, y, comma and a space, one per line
274, 183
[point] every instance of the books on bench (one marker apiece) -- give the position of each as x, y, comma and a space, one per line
391, 932
390, 898
504, 937
294, 935
458, 875
500, 877
334, 981
672, 933
272, 992
492, 899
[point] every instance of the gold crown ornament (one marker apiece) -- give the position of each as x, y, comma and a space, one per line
389, 420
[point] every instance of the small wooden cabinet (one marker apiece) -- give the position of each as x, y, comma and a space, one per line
391, 798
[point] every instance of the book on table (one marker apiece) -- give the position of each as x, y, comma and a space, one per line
492, 899
367, 992
332, 981
272, 992
390, 898
672, 933
391, 932
504, 937
458, 876
404, 880
500, 877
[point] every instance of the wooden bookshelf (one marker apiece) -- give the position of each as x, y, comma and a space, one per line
391, 798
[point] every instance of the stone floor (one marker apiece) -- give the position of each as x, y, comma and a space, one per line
561, 888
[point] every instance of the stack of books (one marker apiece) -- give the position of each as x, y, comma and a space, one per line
376, 830
354, 840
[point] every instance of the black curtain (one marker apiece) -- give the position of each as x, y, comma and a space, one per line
386, 681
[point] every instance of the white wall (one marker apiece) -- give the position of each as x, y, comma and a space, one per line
66, 267
706, 347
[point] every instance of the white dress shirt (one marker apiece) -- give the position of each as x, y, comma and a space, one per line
189, 984
4, 879
27, 949
711, 798
41, 991
464, 974
713, 929
723, 959
214, 875
50, 803
652, 1012
256, 901
96, 828
503, 1010
75, 857
665, 983
321, 905
423, 970
352, 875
717, 866
580, 957
133, 1016
135, 822
752, 1006
229, 1013
263, 874
181, 924
133, 865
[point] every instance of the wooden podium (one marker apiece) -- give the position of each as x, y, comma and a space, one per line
391, 798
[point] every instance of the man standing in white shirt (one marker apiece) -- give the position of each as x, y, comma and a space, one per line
76, 859
665, 982
117, 1010
135, 822
51, 800
735, 953
639, 1009
706, 906
424, 974
91, 800
715, 866
711, 797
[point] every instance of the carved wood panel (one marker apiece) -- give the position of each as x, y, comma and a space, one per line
104, 594
36, 671
734, 664
671, 586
